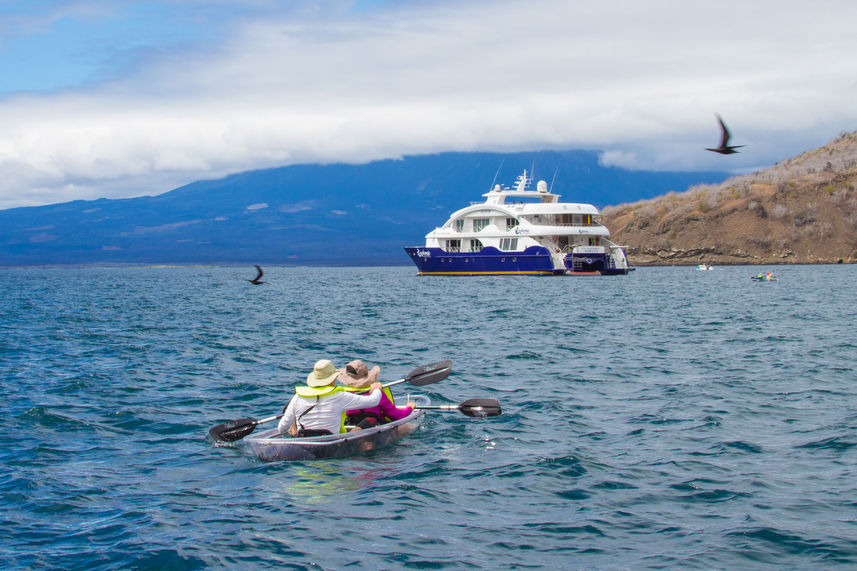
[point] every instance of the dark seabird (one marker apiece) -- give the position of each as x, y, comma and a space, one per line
255, 281
724, 148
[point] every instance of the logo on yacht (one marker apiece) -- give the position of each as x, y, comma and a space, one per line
423, 253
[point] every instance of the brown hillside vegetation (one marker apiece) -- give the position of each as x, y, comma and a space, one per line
800, 211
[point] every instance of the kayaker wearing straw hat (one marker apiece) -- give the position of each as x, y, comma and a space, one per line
358, 375
319, 408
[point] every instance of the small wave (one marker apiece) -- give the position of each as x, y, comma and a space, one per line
566, 529
744, 446
714, 496
767, 544
833, 443
657, 419
696, 492
525, 355
46, 418
568, 466
614, 485
574, 494
165, 559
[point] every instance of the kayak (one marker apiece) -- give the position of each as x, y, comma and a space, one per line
270, 446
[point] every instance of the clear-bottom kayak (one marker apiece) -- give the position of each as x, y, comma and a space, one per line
269, 447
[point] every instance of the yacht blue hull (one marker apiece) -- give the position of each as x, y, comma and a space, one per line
535, 260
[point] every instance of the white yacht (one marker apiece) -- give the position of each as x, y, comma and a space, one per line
521, 231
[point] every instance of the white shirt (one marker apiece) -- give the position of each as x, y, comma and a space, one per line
327, 413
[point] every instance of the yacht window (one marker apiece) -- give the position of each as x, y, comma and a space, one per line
577, 219
459, 225
453, 245
508, 244
479, 224
511, 223
475, 246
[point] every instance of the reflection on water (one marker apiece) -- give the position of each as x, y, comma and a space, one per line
318, 482
322, 481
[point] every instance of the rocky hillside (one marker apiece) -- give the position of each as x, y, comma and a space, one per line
800, 211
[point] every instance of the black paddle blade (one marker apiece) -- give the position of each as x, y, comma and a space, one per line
428, 374
232, 431
480, 407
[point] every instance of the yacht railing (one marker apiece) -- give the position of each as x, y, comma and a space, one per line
542, 220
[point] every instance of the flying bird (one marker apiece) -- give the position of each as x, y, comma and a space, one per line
724, 148
256, 280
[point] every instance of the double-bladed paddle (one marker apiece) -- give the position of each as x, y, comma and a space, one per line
471, 407
424, 375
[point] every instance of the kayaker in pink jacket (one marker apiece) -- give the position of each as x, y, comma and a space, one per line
319, 407
358, 375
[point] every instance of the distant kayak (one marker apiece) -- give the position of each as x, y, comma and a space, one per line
769, 277
268, 446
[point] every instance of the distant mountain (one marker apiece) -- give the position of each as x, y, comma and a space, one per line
307, 214
800, 211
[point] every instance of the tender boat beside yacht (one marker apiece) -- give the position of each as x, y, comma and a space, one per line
521, 231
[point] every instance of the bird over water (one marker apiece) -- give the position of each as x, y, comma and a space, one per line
724, 148
257, 279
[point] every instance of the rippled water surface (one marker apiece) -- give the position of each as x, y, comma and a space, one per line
669, 418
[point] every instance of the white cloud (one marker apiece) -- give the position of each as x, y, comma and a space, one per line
297, 206
144, 230
620, 159
639, 81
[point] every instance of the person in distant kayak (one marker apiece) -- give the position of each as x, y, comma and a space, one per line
357, 375
319, 407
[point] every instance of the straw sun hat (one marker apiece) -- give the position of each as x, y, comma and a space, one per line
322, 374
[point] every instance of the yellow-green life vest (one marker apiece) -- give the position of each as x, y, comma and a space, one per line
310, 392
306, 391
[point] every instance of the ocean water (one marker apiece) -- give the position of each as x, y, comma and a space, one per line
671, 418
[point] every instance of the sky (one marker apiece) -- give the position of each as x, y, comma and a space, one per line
123, 98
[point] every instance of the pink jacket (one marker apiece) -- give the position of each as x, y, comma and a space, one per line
386, 408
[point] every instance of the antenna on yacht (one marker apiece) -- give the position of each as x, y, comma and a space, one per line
496, 174
553, 179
